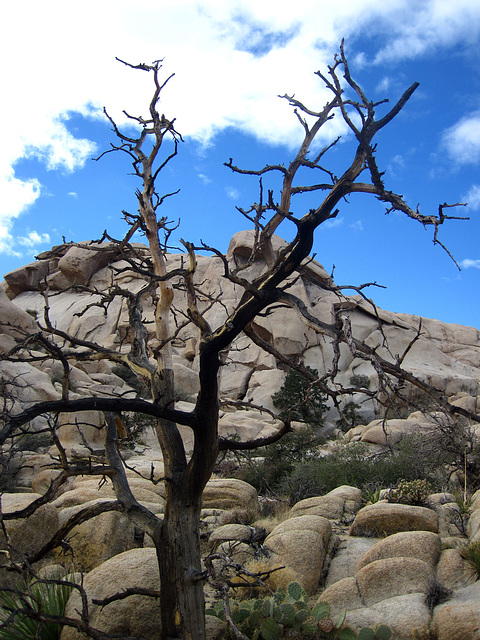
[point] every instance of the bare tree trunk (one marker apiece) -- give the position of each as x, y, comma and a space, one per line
179, 561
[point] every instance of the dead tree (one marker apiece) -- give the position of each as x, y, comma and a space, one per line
176, 536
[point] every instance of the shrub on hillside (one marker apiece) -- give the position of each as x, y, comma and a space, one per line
301, 400
278, 460
355, 465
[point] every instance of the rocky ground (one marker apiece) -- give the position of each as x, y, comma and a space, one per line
388, 563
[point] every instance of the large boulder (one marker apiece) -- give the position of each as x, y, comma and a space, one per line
388, 432
133, 616
407, 616
229, 493
459, 618
231, 533
391, 577
96, 540
383, 519
26, 535
301, 546
423, 545
29, 277
347, 555
453, 571
81, 262
330, 507
14, 321
390, 591
85, 489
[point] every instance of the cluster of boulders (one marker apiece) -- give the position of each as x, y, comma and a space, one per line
382, 563
394, 564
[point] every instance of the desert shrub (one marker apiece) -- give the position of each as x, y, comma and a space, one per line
136, 424
354, 465
464, 502
48, 598
349, 417
361, 381
278, 460
300, 400
297, 400
347, 465
414, 492
436, 594
373, 494
33, 441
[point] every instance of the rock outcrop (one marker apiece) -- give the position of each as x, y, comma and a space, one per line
445, 355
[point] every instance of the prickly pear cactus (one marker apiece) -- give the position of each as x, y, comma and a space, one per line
288, 615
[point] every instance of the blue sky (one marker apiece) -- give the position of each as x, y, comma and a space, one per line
231, 60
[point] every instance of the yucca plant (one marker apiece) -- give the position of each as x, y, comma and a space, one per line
471, 553
49, 598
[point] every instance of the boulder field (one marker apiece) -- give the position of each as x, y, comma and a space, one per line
381, 563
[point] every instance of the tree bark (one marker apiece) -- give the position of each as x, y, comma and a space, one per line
179, 561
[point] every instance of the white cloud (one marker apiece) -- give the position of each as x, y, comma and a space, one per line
472, 198
384, 85
232, 193
332, 223
17, 196
462, 141
232, 60
357, 225
205, 179
33, 239
422, 26
468, 263
72, 194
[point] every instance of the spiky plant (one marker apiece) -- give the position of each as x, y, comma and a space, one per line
48, 598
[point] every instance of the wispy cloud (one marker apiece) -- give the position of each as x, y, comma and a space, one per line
205, 179
332, 223
73, 194
462, 140
468, 264
357, 225
33, 239
472, 198
428, 25
232, 193
383, 85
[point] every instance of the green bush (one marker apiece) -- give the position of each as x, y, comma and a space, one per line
33, 441
289, 615
49, 598
354, 465
300, 400
360, 380
350, 417
414, 492
279, 459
